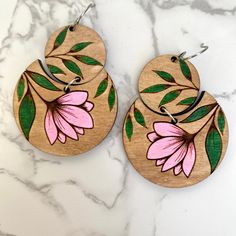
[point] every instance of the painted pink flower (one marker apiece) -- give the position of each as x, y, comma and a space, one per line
172, 148
68, 116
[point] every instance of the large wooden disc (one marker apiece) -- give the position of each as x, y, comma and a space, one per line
170, 82
60, 123
176, 155
75, 53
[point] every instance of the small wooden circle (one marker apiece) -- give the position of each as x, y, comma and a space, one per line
60, 123
78, 53
176, 155
170, 82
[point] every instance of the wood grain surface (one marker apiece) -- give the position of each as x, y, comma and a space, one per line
36, 93
173, 84
205, 127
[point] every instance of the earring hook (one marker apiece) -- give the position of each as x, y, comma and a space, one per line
77, 21
204, 48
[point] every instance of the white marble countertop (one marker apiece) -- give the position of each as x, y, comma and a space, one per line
99, 193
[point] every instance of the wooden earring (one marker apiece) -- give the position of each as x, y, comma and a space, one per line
69, 106
174, 135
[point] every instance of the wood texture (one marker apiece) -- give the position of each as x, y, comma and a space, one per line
205, 127
36, 93
174, 85
76, 53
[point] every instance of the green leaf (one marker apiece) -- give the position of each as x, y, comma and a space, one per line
185, 69
111, 97
55, 69
27, 112
60, 38
20, 88
139, 117
102, 87
42, 81
72, 66
199, 113
169, 97
221, 121
129, 127
187, 101
80, 46
213, 147
88, 60
156, 88
164, 75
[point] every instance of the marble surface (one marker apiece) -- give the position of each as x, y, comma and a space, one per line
99, 193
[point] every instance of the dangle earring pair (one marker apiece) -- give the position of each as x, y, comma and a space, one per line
70, 105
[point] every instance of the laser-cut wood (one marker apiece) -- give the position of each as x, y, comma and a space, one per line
150, 141
40, 104
172, 84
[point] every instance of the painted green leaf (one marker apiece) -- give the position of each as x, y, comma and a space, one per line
185, 69
213, 147
169, 97
199, 113
80, 46
20, 88
72, 66
221, 121
102, 87
164, 75
139, 117
88, 60
55, 69
27, 113
60, 38
42, 81
111, 97
129, 127
156, 88
187, 101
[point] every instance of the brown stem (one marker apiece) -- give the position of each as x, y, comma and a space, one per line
60, 55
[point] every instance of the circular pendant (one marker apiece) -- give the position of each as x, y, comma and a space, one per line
170, 82
62, 123
70, 106
176, 155
80, 52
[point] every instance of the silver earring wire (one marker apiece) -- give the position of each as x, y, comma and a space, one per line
204, 48
77, 21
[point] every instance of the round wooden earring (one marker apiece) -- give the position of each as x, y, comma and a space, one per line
69, 107
184, 146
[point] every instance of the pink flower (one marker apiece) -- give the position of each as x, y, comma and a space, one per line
172, 147
68, 116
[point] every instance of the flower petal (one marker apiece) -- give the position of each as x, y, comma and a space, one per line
62, 137
64, 126
73, 98
152, 136
176, 158
76, 116
50, 127
177, 169
189, 160
88, 106
79, 130
165, 129
160, 162
164, 147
